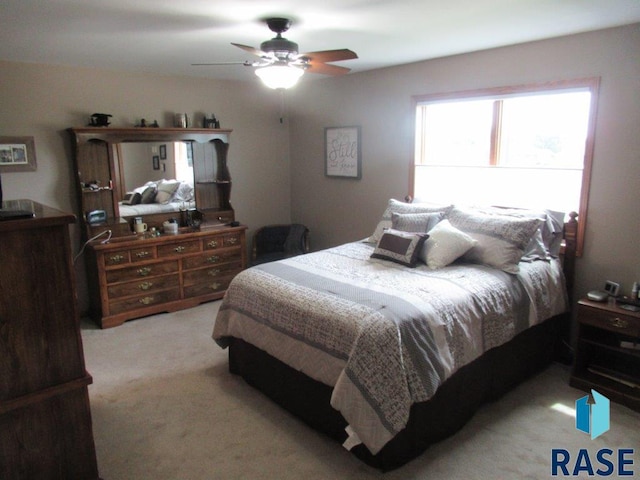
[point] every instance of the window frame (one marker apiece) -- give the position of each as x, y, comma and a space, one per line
592, 84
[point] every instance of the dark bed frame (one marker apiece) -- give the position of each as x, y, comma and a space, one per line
486, 379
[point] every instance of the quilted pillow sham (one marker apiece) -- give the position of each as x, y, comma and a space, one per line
501, 239
400, 247
403, 208
415, 222
546, 240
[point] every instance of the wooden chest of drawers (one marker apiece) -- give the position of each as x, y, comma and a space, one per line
45, 418
136, 276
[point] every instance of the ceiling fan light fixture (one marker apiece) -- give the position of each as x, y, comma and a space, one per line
279, 76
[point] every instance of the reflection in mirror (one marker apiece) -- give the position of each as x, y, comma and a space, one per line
156, 177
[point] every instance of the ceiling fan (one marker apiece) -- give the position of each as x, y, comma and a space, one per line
280, 64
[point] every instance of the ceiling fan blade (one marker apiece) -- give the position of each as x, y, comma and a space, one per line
245, 63
326, 69
330, 55
251, 50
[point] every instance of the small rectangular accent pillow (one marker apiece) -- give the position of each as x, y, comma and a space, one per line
402, 208
501, 239
400, 247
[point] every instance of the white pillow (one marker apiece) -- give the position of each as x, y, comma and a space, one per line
444, 245
403, 207
166, 189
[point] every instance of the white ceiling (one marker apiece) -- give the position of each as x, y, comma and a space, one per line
167, 36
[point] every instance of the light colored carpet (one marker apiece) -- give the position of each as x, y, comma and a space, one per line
165, 406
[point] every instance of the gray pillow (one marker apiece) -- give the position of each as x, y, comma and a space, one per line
415, 222
501, 239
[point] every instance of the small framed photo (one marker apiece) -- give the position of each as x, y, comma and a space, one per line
612, 288
17, 154
156, 162
163, 152
343, 152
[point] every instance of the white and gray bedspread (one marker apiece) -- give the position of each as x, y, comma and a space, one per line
383, 335
151, 208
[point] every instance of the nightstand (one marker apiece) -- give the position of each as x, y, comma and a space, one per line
607, 357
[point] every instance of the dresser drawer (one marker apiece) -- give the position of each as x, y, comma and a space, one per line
116, 257
142, 254
211, 258
612, 321
141, 271
179, 248
215, 285
146, 300
204, 275
138, 287
220, 241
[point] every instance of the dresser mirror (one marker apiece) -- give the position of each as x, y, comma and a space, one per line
147, 166
119, 169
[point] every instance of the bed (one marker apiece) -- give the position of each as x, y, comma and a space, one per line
392, 343
159, 196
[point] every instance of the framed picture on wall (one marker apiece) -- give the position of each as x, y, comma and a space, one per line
156, 162
343, 152
163, 152
17, 154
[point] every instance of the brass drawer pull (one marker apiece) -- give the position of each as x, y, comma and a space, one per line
146, 300
143, 254
145, 285
232, 240
179, 249
116, 258
212, 244
143, 272
215, 285
213, 259
619, 322
213, 273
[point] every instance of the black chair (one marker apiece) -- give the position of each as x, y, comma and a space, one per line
274, 242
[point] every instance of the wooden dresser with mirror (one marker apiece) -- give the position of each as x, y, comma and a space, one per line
132, 275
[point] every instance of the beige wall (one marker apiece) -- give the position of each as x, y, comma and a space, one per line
43, 101
339, 210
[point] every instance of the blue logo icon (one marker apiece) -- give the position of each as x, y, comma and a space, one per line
592, 414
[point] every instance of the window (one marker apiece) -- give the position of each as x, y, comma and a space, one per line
528, 146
